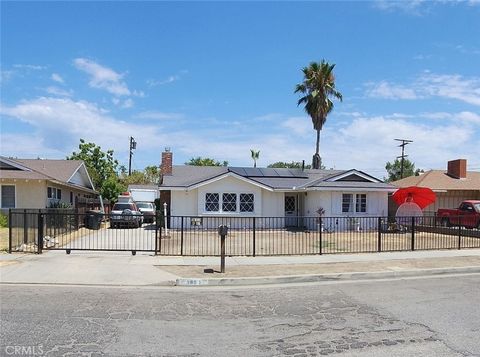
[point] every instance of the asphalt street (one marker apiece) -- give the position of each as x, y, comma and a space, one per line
409, 317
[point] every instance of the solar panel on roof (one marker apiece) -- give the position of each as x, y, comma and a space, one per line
252, 172
269, 172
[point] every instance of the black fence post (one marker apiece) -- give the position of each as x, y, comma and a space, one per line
10, 220
181, 237
40, 233
25, 228
379, 236
413, 233
459, 234
320, 224
254, 237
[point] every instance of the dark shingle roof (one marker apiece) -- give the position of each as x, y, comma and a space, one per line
186, 176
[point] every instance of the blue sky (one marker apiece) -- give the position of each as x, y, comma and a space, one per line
216, 79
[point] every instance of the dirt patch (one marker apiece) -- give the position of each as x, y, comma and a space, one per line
3, 238
322, 268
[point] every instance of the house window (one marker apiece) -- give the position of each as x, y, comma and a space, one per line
247, 202
54, 193
348, 203
229, 202
71, 198
361, 203
212, 202
8, 196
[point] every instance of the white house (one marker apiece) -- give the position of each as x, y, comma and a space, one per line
292, 194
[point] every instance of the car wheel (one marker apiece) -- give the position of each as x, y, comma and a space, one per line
445, 222
112, 225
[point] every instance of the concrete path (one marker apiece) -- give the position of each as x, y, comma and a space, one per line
123, 269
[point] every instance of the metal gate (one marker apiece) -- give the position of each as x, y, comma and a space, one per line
38, 230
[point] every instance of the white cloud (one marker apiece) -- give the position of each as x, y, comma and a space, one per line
298, 125
418, 7
453, 86
103, 77
170, 79
387, 90
365, 142
128, 103
57, 78
58, 91
29, 67
155, 115
61, 122
413, 7
6, 75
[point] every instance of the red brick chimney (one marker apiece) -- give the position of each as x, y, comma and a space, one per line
457, 168
167, 161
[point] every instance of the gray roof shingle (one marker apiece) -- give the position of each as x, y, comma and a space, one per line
187, 175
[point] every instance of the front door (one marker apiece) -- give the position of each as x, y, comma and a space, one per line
291, 210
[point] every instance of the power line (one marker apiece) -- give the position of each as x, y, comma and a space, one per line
404, 143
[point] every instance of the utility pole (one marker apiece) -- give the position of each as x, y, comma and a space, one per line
133, 146
404, 143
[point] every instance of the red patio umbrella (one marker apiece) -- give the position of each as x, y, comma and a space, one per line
422, 196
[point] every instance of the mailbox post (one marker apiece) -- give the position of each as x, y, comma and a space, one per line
222, 232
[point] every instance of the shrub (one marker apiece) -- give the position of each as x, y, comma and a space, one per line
3, 220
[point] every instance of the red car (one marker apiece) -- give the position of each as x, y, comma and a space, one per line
467, 215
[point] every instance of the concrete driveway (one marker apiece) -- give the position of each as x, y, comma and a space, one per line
138, 239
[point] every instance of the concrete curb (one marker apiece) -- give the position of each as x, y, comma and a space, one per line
312, 278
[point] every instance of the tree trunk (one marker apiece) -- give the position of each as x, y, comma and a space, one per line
316, 157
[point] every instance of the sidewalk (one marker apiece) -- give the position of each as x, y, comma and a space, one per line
123, 269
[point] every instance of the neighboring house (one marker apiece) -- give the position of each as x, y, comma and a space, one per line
452, 186
266, 192
28, 183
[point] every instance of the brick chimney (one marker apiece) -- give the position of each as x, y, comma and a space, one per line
167, 161
457, 168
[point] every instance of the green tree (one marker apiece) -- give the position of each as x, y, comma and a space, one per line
135, 178
101, 166
394, 169
317, 90
205, 161
152, 174
255, 156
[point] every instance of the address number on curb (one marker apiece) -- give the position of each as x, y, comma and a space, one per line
190, 282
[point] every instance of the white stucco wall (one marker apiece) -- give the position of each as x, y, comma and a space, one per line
331, 201
184, 203
192, 203
230, 185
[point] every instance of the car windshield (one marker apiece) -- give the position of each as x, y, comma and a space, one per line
144, 205
477, 207
122, 206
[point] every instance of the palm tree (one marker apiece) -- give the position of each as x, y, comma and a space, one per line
317, 88
255, 156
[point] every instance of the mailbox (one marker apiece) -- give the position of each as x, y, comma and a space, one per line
222, 230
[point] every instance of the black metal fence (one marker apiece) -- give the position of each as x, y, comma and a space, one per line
38, 230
